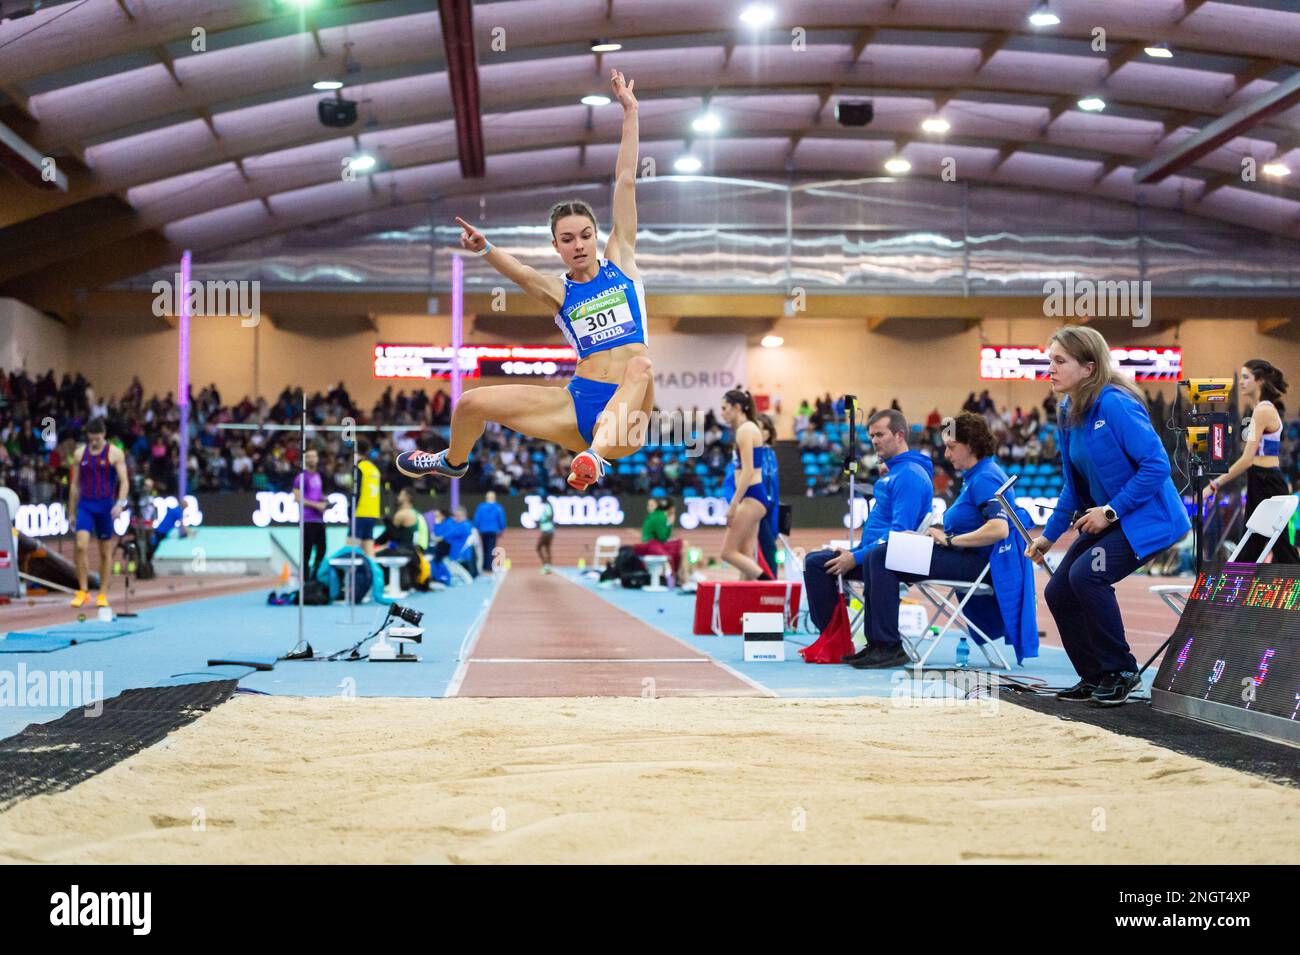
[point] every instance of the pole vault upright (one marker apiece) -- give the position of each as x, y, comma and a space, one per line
457, 318
183, 381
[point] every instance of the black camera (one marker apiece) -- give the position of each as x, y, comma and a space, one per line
411, 616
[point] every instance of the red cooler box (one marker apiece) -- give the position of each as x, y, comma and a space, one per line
720, 603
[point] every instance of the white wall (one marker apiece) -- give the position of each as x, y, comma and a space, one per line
31, 340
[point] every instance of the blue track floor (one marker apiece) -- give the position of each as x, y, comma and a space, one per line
182, 637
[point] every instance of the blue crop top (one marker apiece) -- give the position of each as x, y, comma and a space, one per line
604, 313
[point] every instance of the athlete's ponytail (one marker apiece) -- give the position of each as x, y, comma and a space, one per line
1272, 384
743, 400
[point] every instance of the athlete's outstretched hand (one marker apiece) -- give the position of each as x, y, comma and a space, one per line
622, 89
471, 239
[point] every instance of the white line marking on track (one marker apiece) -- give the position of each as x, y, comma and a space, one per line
471, 639
592, 660
716, 662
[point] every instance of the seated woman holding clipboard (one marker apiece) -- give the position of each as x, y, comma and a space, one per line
975, 531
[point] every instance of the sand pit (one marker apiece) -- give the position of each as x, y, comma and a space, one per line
271, 779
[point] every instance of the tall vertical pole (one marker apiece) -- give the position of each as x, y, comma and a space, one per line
457, 317
302, 513
183, 382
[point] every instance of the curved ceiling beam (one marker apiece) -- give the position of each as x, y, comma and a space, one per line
53, 40
1212, 27
158, 204
50, 287
242, 133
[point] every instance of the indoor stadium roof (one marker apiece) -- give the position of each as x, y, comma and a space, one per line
166, 147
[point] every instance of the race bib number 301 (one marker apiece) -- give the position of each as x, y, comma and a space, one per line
603, 319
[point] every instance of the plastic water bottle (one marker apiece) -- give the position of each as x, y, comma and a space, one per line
963, 654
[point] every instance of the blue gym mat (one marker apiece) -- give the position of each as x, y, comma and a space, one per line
60, 638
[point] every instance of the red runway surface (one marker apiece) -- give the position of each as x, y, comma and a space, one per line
547, 636
1147, 618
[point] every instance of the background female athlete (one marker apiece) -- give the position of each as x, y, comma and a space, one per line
599, 304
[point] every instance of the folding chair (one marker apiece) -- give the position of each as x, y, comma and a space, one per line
941, 593
606, 549
1269, 520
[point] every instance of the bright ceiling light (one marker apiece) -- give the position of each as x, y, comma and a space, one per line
1092, 104
1043, 16
1276, 169
757, 15
936, 124
706, 123
773, 341
325, 85
1159, 51
897, 166
595, 99
688, 164
605, 46
361, 163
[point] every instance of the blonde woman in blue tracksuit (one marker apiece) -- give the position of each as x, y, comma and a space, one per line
1116, 475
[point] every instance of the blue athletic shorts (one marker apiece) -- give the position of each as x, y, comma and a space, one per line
589, 400
759, 493
96, 516
366, 528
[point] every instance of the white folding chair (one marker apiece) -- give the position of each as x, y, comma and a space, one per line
1269, 520
942, 593
606, 550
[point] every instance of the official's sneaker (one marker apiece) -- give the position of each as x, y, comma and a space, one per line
421, 463
101, 600
856, 654
80, 599
1081, 692
883, 657
587, 468
1115, 688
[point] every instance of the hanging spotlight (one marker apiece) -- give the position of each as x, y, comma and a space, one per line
1043, 16
706, 123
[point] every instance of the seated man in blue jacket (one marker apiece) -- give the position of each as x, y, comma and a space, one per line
975, 533
903, 498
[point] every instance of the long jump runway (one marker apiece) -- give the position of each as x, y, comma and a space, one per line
546, 636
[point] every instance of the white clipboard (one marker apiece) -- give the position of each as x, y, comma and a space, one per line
909, 553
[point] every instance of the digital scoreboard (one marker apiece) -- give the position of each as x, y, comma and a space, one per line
1234, 659
1029, 363
506, 361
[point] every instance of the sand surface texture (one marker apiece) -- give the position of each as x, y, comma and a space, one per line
272, 779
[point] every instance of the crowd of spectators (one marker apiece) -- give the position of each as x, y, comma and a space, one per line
42, 420
1026, 439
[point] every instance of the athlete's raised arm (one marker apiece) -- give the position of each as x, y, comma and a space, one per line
547, 289
622, 234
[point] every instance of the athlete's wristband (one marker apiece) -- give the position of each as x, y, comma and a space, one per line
486, 249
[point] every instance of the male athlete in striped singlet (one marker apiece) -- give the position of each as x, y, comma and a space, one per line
97, 496
599, 304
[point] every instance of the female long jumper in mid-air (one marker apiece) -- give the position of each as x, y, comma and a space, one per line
599, 304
